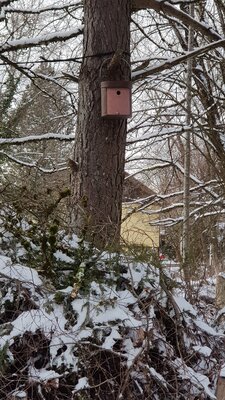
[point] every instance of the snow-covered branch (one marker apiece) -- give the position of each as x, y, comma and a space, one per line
43, 9
25, 42
170, 10
151, 168
163, 133
169, 63
33, 164
35, 138
197, 181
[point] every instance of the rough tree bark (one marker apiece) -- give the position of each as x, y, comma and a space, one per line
100, 143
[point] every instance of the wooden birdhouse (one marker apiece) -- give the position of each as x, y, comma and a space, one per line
116, 99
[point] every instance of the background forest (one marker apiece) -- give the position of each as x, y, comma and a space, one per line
39, 102
80, 322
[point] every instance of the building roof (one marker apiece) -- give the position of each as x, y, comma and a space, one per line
133, 189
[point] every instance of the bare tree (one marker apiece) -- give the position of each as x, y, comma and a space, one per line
155, 141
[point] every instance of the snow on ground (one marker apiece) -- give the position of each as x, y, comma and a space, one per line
127, 318
18, 272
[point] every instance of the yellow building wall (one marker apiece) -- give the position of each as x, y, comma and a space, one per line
137, 230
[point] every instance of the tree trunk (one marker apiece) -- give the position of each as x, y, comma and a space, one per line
220, 290
220, 392
100, 143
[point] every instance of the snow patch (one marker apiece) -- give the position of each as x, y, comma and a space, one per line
18, 272
184, 306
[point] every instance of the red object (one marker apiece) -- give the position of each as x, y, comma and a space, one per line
161, 257
116, 99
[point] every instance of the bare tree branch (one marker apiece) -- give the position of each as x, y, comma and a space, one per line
168, 64
170, 10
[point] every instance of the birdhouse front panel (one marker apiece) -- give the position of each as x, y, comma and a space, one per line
116, 99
